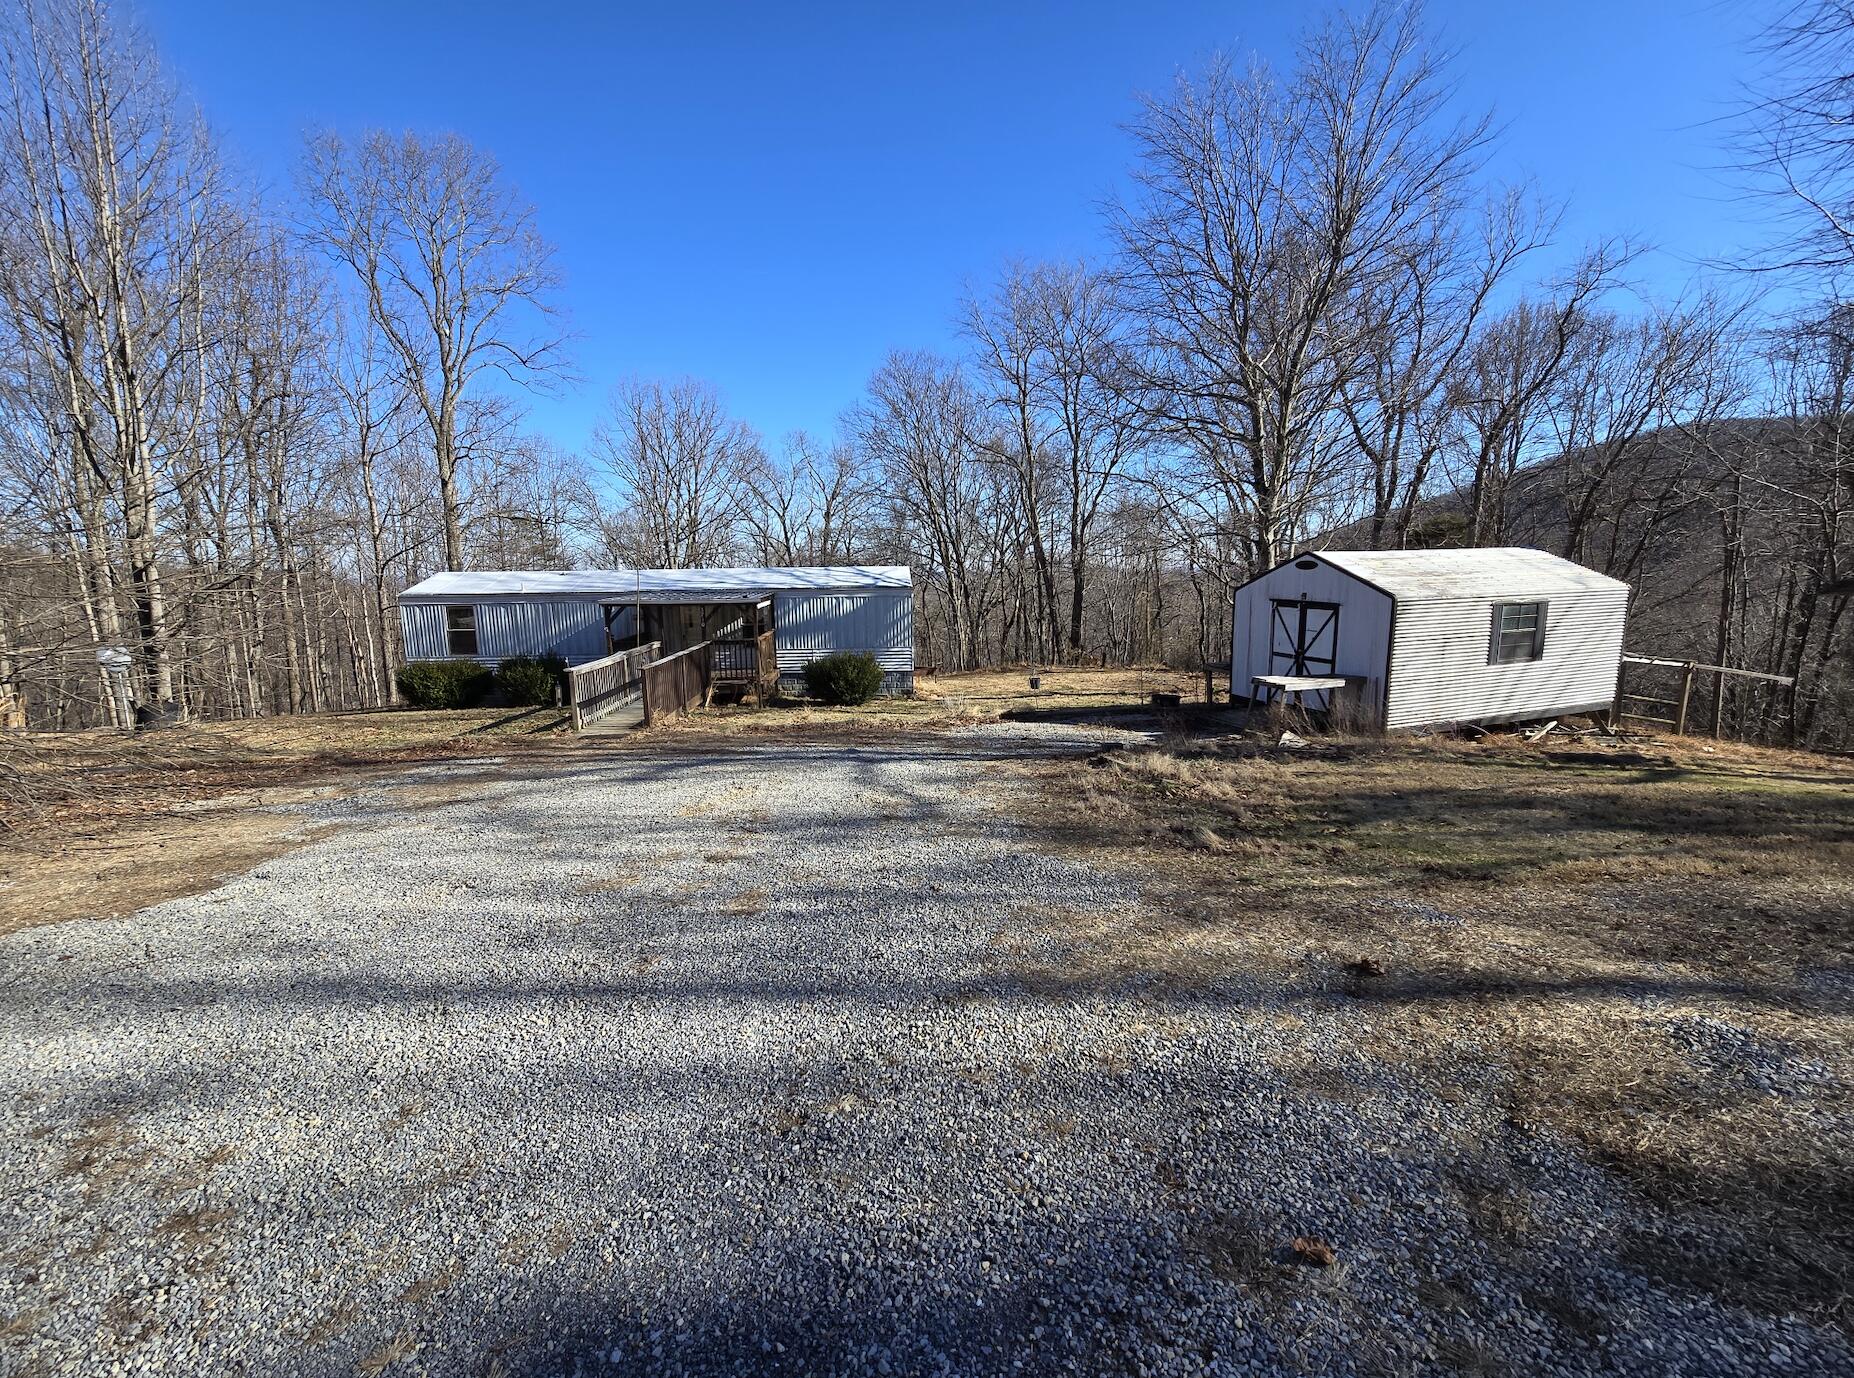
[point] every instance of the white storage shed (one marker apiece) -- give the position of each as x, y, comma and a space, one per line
584, 614
1437, 636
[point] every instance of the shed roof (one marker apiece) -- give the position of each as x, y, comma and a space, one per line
1493, 572
660, 585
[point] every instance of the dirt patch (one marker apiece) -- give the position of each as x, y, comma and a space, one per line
59, 781
99, 825
119, 870
452, 789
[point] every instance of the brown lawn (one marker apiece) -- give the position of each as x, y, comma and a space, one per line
1570, 908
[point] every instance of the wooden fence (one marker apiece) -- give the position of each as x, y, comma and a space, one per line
1679, 708
678, 682
597, 687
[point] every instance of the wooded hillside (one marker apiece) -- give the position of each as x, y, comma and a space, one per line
234, 423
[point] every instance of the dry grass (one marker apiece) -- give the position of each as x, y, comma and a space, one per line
422, 1290
401, 1346
65, 779
747, 903
941, 701
199, 1228
99, 824
1566, 910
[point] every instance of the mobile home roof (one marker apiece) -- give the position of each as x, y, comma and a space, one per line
664, 585
1496, 572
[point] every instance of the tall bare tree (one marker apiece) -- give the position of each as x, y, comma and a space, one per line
917, 427
814, 505
1793, 135
452, 269
1052, 355
111, 199
1263, 203
1417, 321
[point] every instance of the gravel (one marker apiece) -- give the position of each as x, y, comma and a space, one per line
1741, 1058
756, 1060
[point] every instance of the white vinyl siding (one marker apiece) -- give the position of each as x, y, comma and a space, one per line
809, 625
1439, 660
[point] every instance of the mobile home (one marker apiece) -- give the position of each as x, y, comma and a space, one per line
584, 614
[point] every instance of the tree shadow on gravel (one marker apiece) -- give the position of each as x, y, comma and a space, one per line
654, 1121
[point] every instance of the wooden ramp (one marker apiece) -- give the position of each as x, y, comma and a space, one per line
607, 695
624, 718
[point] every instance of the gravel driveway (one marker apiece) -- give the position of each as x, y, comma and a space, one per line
750, 1060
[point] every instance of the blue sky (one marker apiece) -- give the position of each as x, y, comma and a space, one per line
772, 197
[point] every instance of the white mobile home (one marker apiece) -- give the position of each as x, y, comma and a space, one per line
1437, 636
584, 614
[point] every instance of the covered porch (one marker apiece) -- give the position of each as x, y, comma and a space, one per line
737, 635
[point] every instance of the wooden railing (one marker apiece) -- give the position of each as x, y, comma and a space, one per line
1680, 706
678, 682
597, 687
746, 660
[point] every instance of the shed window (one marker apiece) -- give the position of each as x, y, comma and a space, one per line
1518, 632
460, 630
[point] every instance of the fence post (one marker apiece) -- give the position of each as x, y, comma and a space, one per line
1686, 695
1615, 705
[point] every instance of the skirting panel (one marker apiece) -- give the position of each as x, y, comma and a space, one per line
899, 682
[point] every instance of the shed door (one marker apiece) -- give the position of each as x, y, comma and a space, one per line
1304, 639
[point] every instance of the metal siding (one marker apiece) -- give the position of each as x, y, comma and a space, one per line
808, 625
713, 585
573, 629
1439, 669
1364, 625
421, 627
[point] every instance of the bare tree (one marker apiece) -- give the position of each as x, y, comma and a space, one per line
681, 469
1506, 379
1052, 348
1417, 321
111, 198
815, 505
1097, 427
1625, 380
1792, 138
1012, 367
1807, 484
1263, 204
917, 427
453, 272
